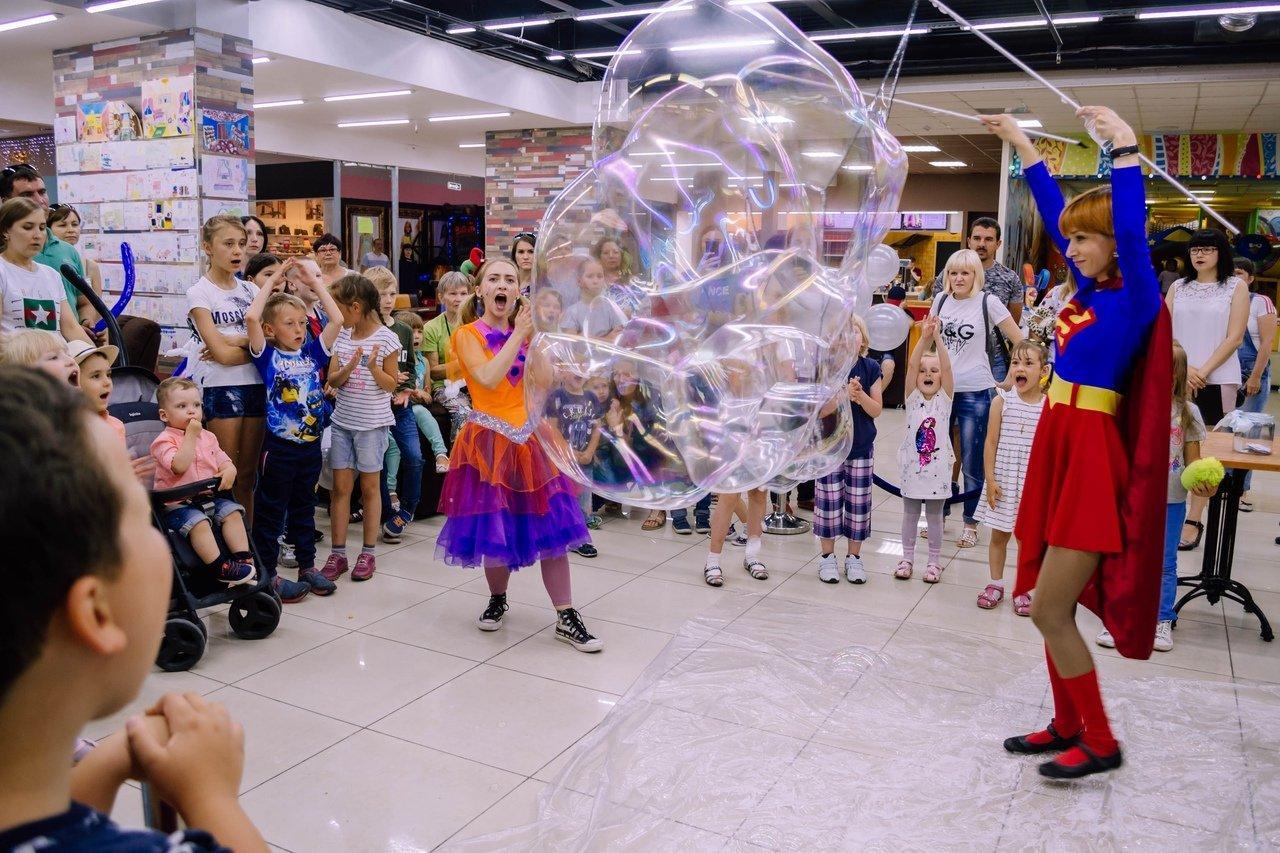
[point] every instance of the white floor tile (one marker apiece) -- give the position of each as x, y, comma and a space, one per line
628, 650
447, 623
357, 678
355, 605
227, 658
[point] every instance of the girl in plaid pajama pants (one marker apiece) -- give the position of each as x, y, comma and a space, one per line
842, 499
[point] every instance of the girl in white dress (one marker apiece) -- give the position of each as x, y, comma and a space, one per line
925, 457
1015, 414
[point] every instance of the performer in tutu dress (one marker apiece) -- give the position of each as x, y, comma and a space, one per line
507, 505
1090, 526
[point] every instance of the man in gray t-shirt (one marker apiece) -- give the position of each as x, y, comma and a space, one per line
998, 280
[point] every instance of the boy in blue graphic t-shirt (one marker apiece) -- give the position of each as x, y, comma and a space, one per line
292, 364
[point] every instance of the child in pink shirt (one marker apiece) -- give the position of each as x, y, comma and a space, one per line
187, 453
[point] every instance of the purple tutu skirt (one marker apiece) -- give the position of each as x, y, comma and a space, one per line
505, 503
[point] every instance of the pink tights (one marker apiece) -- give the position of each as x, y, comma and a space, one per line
555, 577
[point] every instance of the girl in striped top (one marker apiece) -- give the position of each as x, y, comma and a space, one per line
1011, 426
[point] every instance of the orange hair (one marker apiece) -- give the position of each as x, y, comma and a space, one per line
1090, 212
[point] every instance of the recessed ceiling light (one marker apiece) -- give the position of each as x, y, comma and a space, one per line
516, 25
111, 5
602, 14
261, 60
27, 22
720, 44
367, 96
822, 155
386, 122
600, 54
467, 116
1029, 122
1207, 11
266, 105
948, 164
1030, 23
857, 167
920, 149
688, 165
777, 119
470, 144
460, 30
555, 57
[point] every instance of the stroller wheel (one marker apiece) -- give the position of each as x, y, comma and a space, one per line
182, 646
254, 616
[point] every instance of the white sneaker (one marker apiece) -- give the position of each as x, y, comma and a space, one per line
1106, 640
828, 571
853, 569
287, 557
1164, 636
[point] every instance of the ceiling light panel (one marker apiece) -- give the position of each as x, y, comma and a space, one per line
266, 105
468, 116
386, 122
920, 149
948, 164
517, 25
27, 22
1208, 11
367, 96
112, 5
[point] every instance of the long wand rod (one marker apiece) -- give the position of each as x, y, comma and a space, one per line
978, 120
1066, 99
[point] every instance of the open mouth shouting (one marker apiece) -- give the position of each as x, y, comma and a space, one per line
500, 300
1021, 381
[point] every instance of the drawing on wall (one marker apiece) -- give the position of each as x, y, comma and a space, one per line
91, 125
167, 107
223, 177
224, 132
122, 124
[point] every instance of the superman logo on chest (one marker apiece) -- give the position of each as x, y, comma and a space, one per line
1071, 321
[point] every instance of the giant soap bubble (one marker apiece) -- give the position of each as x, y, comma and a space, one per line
720, 362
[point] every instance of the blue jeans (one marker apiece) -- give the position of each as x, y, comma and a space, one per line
969, 413
1176, 514
701, 511
1248, 355
1000, 364
285, 501
409, 484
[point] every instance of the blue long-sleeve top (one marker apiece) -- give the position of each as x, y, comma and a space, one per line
1100, 331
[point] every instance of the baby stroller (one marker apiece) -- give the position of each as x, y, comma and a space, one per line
255, 610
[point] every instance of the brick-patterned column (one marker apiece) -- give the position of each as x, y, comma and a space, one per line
190, 156
524, 171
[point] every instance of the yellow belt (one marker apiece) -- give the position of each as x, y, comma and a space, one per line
1090, 397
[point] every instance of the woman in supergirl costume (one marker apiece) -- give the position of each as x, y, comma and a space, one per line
1090, 527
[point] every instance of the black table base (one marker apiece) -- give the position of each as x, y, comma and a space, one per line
1214, 581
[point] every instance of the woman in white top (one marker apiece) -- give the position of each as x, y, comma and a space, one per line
966, 327
1255, 356
234, 399
1210, 314
33, 295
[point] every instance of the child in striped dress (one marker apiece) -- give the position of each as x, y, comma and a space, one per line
1015, 414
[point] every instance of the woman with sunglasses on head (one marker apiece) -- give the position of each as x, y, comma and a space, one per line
1210, 309
522, 254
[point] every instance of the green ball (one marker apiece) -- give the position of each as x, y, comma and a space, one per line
1206, 471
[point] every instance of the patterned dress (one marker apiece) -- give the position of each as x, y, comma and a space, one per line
925, 457
1018, 422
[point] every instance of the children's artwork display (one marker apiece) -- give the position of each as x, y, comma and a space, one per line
224, 132
91, 124
224, 177
122, 124
167, 107
64, 130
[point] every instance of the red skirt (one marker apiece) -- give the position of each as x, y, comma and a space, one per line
1074, 489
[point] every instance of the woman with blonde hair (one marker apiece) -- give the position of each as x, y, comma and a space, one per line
968, 316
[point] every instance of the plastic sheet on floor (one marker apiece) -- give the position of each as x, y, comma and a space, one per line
777, 725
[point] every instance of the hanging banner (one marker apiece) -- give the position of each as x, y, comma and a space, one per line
1193, 155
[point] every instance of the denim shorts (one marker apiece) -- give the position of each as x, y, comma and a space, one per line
183, 519
361, 449
235, 401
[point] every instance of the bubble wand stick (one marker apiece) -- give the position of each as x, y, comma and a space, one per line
1069, 101
978, 120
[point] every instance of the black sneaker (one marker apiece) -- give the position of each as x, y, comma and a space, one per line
491, 618
702, 524
680, 524
586, 549
570, 629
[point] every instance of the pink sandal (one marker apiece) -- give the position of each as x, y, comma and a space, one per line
1022, 605
933, 573
990, 597
903, 572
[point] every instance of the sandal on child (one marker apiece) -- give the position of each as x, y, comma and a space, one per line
990, 597
903, 572
656, 519
1022, 605
933, 573
1246, 506
1198, 527
713, 576
756, 569
969, 538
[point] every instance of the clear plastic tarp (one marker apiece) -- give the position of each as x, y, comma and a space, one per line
777, 725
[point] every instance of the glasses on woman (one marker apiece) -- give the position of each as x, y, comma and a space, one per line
1202, 250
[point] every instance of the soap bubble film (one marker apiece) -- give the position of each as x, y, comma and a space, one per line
714, 358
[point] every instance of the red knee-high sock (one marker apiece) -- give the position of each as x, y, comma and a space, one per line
1097, 729
1066, 716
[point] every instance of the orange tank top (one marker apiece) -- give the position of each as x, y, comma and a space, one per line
505, 401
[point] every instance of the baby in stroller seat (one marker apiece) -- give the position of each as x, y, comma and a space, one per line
187, 453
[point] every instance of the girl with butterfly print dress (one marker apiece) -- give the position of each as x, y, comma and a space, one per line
507, 506
925, 457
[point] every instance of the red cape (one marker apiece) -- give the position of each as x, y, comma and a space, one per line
1125, 591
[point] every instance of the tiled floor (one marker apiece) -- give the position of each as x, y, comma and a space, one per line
382, 719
